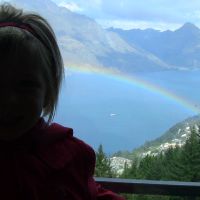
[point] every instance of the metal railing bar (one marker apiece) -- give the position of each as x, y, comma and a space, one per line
150, 187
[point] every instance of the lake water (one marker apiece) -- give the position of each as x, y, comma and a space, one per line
119, 114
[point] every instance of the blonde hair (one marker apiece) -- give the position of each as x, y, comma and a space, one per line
41, 41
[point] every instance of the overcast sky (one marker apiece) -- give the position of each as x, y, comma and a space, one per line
127, 14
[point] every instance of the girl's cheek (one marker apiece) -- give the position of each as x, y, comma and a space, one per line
32, 93
31, 100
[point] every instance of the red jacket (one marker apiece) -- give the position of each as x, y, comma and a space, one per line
48, 163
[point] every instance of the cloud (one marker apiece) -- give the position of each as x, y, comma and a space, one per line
161, 13
71, 6
96, 2
152, 10
90, 8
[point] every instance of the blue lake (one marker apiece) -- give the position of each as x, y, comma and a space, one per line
119, 114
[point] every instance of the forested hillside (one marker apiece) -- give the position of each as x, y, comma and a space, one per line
175, 136
179, 163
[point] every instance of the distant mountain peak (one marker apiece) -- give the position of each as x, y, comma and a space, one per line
188, 27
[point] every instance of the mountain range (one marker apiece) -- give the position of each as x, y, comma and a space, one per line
84, 43
180, 48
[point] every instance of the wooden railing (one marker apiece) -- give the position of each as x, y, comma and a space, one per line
150, 187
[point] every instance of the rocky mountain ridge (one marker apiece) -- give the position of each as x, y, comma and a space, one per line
118, 164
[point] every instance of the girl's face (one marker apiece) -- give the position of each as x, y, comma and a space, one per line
22, 97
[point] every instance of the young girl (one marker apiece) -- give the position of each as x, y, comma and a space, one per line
38, 160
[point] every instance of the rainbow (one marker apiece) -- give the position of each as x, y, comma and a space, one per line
138, 82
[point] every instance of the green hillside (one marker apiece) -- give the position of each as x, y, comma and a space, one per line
176, 135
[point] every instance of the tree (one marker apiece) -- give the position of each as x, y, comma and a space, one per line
129, 172
172, 166
103, 164
190, 157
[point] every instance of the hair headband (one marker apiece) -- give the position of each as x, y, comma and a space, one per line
18, 25
24, 26
14, 24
